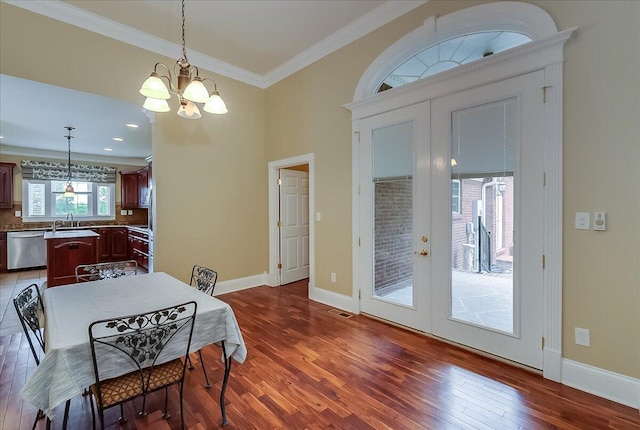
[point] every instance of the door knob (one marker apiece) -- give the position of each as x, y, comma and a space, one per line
423, 252
424, 239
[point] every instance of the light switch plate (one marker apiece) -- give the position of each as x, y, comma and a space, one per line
123, 212
583, 220
18, 214
600, 221
130, 212
318, 216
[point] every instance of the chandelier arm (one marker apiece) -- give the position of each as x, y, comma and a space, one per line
215, 86
169, 78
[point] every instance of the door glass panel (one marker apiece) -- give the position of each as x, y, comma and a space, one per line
393, 213
483, 142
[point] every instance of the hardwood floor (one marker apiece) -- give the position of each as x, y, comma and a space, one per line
308, 368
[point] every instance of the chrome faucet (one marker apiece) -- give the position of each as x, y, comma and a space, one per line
53, 227
70, 215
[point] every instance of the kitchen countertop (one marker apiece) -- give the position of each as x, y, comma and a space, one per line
70, 234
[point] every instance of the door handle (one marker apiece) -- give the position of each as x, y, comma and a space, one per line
423, 252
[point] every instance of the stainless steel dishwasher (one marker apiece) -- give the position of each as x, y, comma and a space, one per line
26, 249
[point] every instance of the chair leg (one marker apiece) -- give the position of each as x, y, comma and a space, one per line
166, 415
181, 409
207, 383
189, 363
93, 413
143, 412
227, 370
48, 423
122, 419
65, 420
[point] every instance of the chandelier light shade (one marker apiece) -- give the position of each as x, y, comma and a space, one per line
69, 191
190, 88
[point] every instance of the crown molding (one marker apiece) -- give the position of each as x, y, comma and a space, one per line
62, 155
383, 14
58, 10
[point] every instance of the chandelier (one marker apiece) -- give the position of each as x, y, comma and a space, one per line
189, 88
69, 191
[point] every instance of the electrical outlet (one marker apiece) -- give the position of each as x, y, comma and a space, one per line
333, 277
582, 337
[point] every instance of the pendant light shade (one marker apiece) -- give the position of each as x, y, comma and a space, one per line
69, 191
189, 110
188, 86
154, 87
196, 91
156, 105
215, 104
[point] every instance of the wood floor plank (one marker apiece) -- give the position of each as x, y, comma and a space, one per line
310, 369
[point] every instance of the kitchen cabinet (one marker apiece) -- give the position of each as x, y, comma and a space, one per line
112, 245
139, 247
6, 185
66, 250
135, 188
3, 251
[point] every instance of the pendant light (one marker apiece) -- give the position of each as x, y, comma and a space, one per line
69, 191
189, 88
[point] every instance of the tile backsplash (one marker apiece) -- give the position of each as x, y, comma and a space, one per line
8, 220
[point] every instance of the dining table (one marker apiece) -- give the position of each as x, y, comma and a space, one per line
66, 369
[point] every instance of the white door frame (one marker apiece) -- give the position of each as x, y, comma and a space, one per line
545, 52
274, 208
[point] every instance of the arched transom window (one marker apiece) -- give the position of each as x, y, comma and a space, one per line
452, 53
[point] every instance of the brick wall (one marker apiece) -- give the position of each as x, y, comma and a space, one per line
393, 232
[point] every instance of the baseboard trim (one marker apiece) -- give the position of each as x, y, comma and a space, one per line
602, 383
232, 285
339, 301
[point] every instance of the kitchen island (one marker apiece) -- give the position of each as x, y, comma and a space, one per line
66, 250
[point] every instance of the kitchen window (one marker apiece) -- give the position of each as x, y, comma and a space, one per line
44, 200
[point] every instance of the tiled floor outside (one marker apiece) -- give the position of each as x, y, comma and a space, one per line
480, 298
11, 284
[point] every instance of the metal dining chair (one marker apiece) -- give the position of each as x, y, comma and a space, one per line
115, 269
30, 310
140, 341
204, 279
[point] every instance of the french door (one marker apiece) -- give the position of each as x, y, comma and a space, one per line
394, 216
451, 217
488, 284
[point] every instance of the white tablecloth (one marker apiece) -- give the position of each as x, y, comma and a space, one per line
67, 368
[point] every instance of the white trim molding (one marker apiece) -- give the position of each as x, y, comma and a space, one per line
383, 14
602, 383
544, 52
335, 300
232, 285
516, 17
274, 208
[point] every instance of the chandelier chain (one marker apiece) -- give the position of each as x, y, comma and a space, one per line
184, 49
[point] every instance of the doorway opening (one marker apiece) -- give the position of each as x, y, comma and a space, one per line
303, 244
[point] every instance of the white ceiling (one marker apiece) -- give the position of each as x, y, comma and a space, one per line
258, 42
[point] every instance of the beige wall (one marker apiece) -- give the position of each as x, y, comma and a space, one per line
197, 164
601, 270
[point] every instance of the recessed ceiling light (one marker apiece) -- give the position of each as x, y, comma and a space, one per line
118, 139
132, 125
1, 137
108, 149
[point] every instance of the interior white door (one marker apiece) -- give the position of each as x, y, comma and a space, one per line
394, 220
294, 228
487, 150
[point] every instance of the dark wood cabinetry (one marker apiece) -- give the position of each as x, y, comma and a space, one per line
64, 253
135, 188
112, 245
6, 185
3, 251
139, 247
